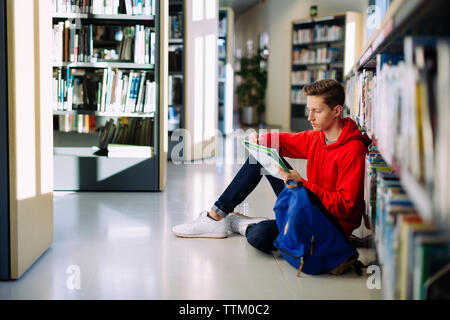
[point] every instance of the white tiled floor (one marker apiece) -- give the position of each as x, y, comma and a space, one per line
124, 247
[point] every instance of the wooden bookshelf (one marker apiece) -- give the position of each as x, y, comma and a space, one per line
321, 35
77, 166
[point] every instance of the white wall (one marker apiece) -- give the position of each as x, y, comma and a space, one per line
276, 18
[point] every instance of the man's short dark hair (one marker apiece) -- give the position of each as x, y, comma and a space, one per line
332, 91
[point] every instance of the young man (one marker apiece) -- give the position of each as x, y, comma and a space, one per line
335, 150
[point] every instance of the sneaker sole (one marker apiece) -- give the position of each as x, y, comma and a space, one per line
205, 235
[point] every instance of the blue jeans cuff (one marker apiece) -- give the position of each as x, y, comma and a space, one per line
219, 211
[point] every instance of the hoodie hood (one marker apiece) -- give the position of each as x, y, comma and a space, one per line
349, 132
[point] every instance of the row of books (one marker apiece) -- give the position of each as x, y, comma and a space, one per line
221, 70
317, 34
413, 253
104, 90
86, 43
397, 106
221, 96
75, 123
175, 90
300, 78
176, 26
127, 131
222, 52
297, 96
319, 55
175, 58
223, 25
111, 7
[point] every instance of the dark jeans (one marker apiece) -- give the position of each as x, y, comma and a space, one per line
261, 235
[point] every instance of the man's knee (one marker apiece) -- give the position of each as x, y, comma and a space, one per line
258, 237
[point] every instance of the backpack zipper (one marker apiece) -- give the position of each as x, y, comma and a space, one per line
302, 262
301, 267
312, 246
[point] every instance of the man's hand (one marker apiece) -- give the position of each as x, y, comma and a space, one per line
254, 138
292, 175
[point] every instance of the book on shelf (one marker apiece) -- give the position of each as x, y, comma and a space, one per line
125, 131
76, 123
176, 26
223, 25
396, 107
297, 96
303, 56
319, 33
104, 90
89, 43
129, 151
174, 118
305, 77
399, 238
175, 90
175, 58
107, 7
431, 256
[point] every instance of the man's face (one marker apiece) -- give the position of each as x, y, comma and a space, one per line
320, 114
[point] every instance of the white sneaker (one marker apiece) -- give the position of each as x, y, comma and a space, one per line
239, 223
202, 227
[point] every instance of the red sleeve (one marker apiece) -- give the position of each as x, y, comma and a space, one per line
349, 185
292, 145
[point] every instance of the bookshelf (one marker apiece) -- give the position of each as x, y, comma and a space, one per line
225, 73
4, 151
176, 69
108, 71
322, 47
397, 91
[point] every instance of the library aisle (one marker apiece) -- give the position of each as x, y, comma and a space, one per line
124, 248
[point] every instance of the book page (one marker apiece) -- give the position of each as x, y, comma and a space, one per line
267, 157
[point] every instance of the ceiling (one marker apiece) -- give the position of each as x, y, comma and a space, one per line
239, 6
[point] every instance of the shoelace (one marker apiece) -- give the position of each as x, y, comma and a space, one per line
202, 214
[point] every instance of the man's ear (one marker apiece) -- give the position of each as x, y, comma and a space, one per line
338, 110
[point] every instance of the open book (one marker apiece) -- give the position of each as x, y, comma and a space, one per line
266, 157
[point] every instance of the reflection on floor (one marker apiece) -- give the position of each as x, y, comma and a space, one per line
121, 247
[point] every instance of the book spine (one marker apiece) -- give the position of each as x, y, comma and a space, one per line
152, 46
153, 97
129, 88
139, 107
129, 7
134, 93
91, 43
104, 88
147, 8
111, 75
147, 45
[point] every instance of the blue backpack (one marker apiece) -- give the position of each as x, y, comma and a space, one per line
310, 238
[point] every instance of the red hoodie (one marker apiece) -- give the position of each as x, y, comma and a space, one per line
335, 171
